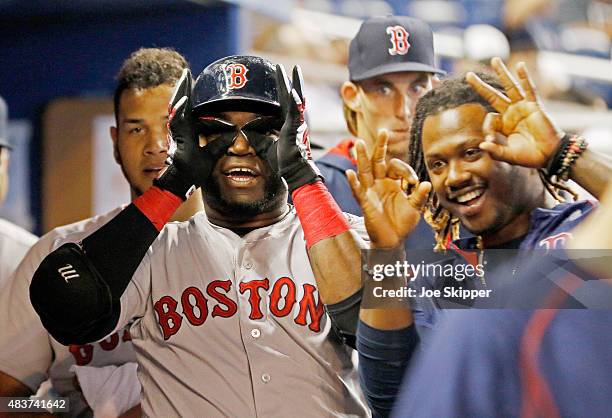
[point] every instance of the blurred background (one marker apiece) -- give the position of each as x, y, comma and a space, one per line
59, 59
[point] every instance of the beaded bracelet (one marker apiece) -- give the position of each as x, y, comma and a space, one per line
570, 148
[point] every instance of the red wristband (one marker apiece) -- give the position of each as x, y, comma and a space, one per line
318, 212
158, 206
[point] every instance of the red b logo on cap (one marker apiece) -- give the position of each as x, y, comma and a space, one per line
236, 76
399, 40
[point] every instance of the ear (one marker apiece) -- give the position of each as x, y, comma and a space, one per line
350, 95
114, 136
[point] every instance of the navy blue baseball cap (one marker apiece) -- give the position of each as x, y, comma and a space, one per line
391, 44
4, 142
237, 82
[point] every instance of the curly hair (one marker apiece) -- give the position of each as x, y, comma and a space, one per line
451, 93
147, 68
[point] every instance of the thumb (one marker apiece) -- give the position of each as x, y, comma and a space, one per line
420, 194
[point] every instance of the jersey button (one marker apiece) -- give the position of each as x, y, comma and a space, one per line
265, 377
248, 265
255, 333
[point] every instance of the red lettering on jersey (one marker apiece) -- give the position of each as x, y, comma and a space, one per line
399, 40
126, 335
315, 308
236, 76
110, 343
83, 354
230, 306
254, 297
556, 241
169, 320
276, 296
200, 303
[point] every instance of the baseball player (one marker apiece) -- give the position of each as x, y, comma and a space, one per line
14, 241
481, 145
228, 318
28, 354
549, 362
391, 64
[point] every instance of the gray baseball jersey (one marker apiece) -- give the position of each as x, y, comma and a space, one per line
27, 352
14, 244
233, 326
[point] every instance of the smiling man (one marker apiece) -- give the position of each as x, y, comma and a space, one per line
228, 319
495, 161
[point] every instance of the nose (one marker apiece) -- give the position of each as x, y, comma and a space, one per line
403, 106
157, 141
457, 175
241, 146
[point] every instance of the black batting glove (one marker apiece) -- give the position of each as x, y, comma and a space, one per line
190, 165
291, 153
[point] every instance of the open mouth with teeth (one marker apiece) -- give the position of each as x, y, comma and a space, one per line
469, 202
469, 197
241, 175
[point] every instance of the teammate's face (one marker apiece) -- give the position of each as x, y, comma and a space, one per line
242, 184
388, 102
486, 195
139, 138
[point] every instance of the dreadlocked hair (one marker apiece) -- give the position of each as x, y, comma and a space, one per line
451, 93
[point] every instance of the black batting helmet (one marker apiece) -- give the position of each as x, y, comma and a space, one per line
237, 83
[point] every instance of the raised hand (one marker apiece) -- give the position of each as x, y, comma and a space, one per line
390, 211
291, 153
189, 165
528, 135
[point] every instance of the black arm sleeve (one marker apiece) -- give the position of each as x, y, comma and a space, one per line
384, 356
344, 317
77, 288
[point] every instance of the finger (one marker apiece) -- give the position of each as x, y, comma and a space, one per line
188, 93
529, 87
497, 99
298, 81
400, 170
419, 196
511, 86
379, 155
179, 89
492, 125
282, 86
364, 169
358, 191
177, 109
295, 103
497, 151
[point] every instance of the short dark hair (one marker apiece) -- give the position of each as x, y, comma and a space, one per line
146, 68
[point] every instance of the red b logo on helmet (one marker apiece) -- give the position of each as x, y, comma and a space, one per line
399, 40
236, 76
